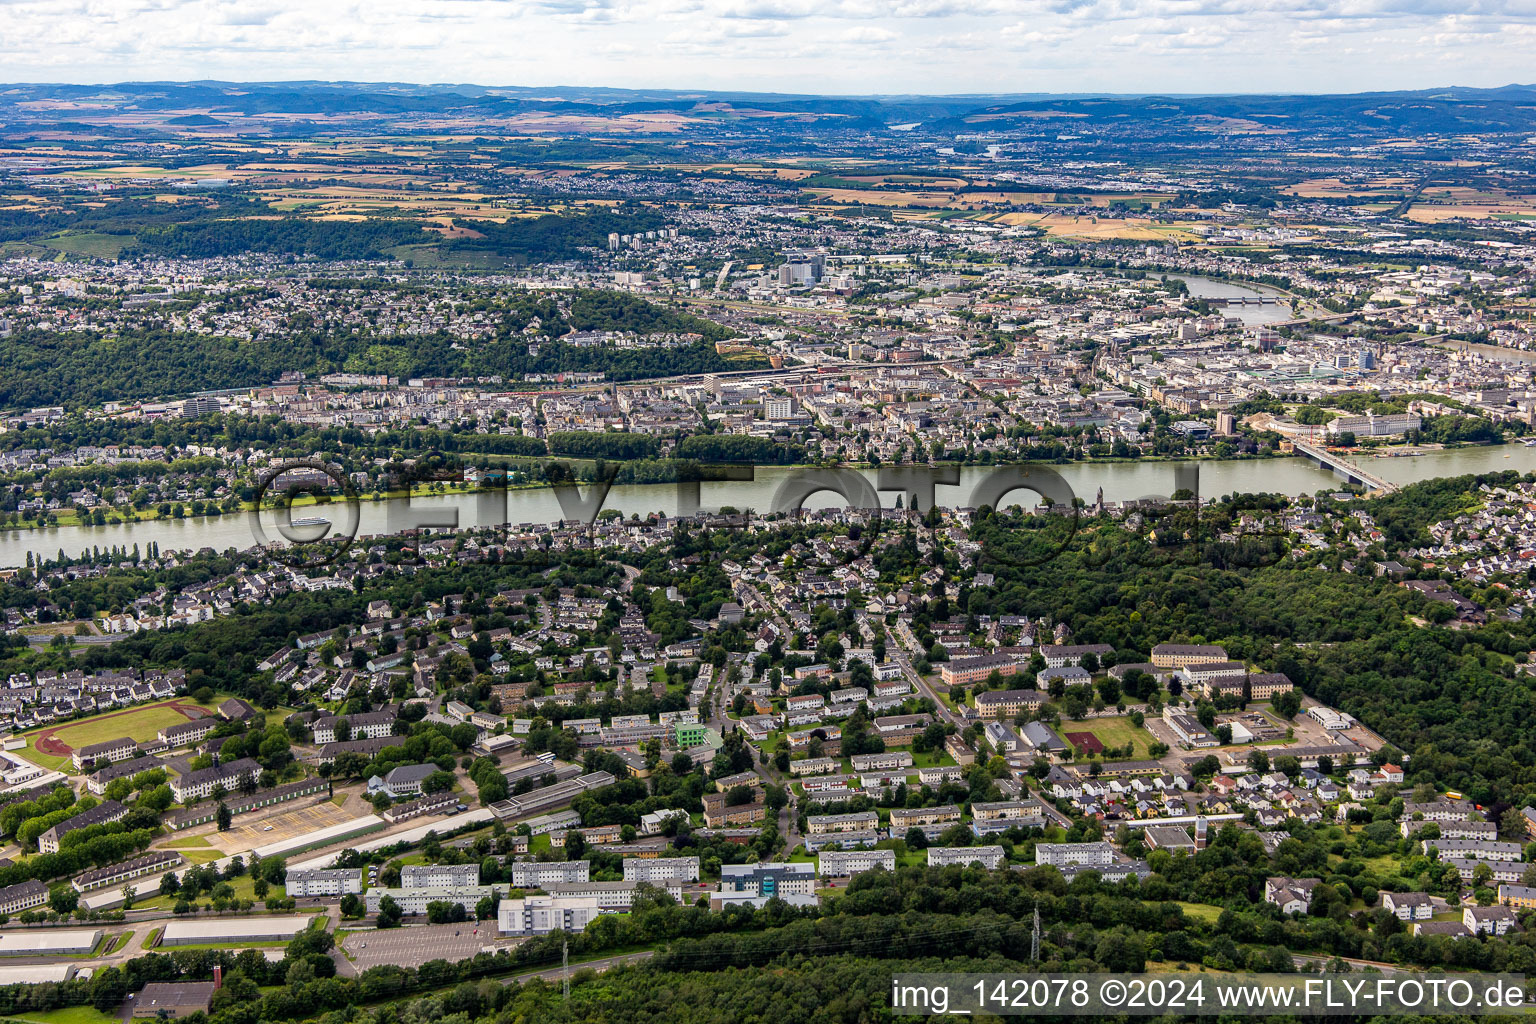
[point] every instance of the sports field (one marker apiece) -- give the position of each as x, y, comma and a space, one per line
52, 746
1114, 732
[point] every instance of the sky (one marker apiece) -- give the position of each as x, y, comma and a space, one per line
805, 46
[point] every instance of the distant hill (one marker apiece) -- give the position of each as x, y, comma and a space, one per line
1450, 109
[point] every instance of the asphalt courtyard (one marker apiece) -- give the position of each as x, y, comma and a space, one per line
414, 945
285, 825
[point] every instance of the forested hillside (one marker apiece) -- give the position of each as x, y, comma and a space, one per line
82, 369
1449, 697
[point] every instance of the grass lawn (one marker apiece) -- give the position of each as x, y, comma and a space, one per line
243, 886
186, 843
207, 856
229, 945
1200, 911
1384, 866
1113, 732
69, 1015
56, 764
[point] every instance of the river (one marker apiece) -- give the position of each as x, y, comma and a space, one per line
1120, 481
1210, 288
1498, 353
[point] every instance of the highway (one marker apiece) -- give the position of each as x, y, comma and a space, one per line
601, 964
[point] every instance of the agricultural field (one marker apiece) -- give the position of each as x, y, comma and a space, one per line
1336, 188
880, 197
1443, 204
1097, 228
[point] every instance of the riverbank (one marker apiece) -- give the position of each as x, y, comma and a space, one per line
69, 519
770, 487
1072, 469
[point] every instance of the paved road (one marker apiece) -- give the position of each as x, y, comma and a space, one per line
84, 641
630, 575
1357, 965
554, 973
899, 653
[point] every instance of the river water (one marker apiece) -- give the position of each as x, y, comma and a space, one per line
1210, 288
1120, 481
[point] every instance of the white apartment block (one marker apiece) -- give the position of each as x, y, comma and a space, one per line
661, 869
989, 857
613, 895
199, 784
540, 915
888, 761
414, 900
439, 876
1059, 855
843, 863
324, 881
540, 874
370, 726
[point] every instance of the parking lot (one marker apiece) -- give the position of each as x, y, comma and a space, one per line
286, 825
413, 946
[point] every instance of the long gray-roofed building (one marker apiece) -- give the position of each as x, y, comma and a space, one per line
107, 750
366, 747
184, 734
661, 869
233, 930
151, 863
535, 874
440, 876
987, 856
49, 941
23, 896
241, 803
416, 899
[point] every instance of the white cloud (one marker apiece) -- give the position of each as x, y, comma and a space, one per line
853, 46
866, 34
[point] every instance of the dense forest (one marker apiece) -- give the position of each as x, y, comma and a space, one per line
554, 237
331, 240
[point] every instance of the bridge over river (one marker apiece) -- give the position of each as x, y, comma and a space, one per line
1246, 300
1344, 468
